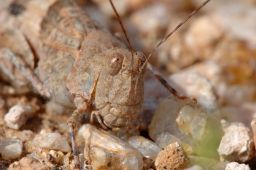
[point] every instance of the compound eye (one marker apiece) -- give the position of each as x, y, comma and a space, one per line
115, 64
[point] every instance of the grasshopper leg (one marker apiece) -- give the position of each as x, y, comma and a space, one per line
99, 119
71, 126
19, 64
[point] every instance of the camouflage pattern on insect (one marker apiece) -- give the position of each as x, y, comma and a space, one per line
55, 47
80, 65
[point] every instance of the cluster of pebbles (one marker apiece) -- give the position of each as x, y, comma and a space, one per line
212, 61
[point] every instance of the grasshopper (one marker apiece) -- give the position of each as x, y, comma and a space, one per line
57, 49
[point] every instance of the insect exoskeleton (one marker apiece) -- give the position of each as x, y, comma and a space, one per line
120, 86
108, 83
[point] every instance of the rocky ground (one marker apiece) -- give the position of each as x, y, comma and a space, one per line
212, 59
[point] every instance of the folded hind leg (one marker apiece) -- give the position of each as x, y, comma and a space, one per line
9, 72
18, 60
74, 120
14, 68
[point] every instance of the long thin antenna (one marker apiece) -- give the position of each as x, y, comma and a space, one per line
123, 29
174, 30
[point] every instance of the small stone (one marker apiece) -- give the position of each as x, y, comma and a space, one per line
193, 126
150, 22
237, 143
164, 117
106, 151
10, 148
192, 121
25, 136
28, 163
197, 86
208, 74
165, 138
52, 141
156, 18
171, 158
202, 36
146, 147
236, 166
18, 115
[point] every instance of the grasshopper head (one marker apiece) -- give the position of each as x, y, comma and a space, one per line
120, 84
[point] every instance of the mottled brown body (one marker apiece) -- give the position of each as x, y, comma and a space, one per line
81, 65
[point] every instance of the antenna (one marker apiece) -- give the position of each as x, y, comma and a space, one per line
174, 30
121, 24
123, 29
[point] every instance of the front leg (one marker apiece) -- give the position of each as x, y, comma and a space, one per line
14, 67
72, 123
99, 119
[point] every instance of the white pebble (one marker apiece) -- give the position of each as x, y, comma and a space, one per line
152, 18
192, 121
195, 85
18, 115
107, 151
165, 138
10, 148
149, 22
165, 116
52, 141
236, 166
237, 143
202, 35
146, 147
